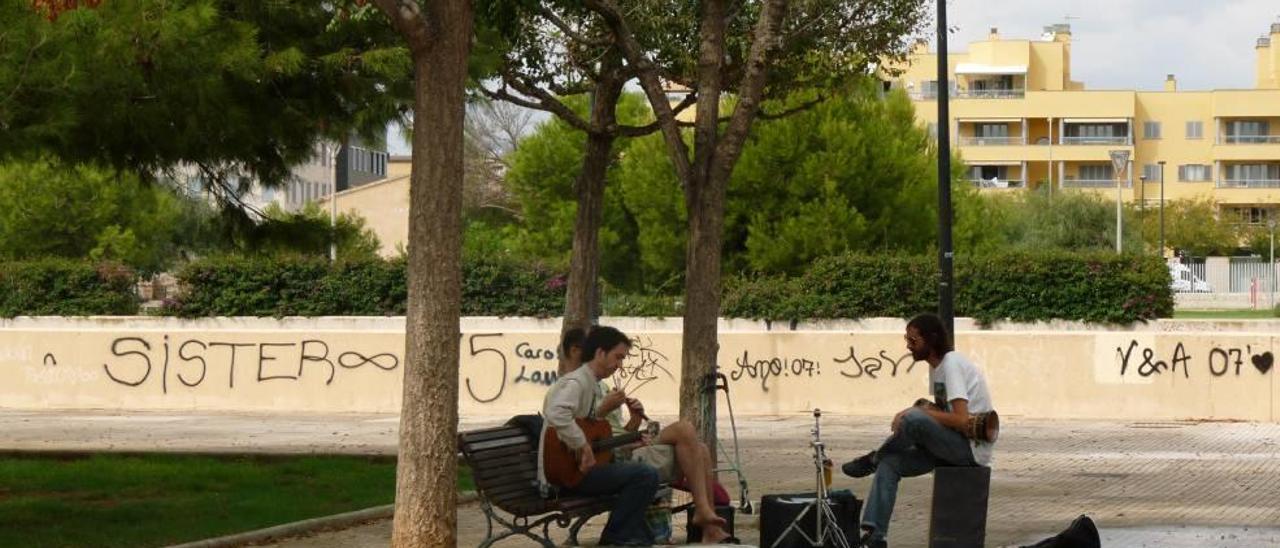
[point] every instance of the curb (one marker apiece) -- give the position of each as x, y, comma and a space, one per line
299, 528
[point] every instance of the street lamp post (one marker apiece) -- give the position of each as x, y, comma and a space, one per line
1119, 161
1161, 162
945, 256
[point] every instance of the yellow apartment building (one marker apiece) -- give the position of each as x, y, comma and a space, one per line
1019, 121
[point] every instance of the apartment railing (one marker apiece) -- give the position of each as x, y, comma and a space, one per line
1250, 139
1249, 183
991, 93
998, 183
1122, 140
1092, 183
991, 141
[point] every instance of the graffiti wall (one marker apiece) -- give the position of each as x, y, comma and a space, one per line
356, 365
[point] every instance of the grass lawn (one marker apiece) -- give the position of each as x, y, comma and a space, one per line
1260, 314
156, 500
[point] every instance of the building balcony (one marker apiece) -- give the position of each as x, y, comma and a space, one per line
1249, 183
1249, 140
991, 93
1122, 140
998, 183
991, 141
1071, 182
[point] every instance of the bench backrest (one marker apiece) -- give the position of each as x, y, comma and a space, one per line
504, 464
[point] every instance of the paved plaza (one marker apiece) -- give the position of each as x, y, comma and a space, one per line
1158, 483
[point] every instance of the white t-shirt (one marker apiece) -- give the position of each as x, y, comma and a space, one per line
958, 378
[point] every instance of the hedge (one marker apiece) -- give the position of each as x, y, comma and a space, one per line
1091, 287
314, 287
58, 287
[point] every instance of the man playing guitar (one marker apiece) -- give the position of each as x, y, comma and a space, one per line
577, 395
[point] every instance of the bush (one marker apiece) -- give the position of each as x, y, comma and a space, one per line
1092, 287
298, 286
60, 287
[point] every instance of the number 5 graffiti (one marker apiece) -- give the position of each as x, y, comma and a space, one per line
471, 342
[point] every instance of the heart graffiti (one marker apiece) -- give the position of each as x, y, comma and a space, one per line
1263, 361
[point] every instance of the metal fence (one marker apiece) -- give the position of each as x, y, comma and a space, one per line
1244, 271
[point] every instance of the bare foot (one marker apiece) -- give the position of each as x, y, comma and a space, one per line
713, 534
709, 520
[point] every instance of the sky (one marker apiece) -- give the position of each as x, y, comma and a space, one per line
1133, 44
1119, 44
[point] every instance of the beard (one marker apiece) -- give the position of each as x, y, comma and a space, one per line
920, 354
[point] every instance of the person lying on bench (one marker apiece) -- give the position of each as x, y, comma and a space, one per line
676, 448
926, 434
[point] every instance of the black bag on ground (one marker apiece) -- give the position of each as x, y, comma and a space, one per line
1082, 533
777, 512
530, 423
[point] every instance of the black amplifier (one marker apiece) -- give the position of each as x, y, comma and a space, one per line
778, 513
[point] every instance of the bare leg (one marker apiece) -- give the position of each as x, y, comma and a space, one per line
692, 456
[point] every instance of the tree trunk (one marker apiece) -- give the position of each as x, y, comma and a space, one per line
702, 300
581, 293
426, 474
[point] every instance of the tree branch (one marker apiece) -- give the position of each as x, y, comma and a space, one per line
552, 106
793, 110
639, 131
548, 101
574, 35
647, 73
408, 20
765, 40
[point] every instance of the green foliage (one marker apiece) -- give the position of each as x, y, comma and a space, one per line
1019, 286
57, 287
308, 232
853, 174
232, 85
1064, 220
543, 171
300, 286
1195, 227
49, 209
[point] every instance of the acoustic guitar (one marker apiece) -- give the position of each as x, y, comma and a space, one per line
560, 464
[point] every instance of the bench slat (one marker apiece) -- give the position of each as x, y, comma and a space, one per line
495, 443
494, 462
505, 451
482, 435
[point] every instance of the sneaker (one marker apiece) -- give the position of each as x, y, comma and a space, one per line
860, 467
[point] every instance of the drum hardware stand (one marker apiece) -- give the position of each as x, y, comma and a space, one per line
825, 529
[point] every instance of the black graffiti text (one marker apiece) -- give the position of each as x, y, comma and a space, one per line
774, 367
196, 360
873, 366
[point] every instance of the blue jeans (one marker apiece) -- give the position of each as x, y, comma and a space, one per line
635, 484
919, 445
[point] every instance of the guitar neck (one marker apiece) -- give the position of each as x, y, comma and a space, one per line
606, 444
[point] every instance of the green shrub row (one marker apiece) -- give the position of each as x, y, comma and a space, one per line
1091, 287
314, 287
59, 287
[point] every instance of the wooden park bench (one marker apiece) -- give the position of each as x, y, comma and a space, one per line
504, 465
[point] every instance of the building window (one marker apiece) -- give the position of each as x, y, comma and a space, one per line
1193, 173
1096, 172
1250, 215
993, 130
1195, 130
1248, 131
1151, 172
1151, 130
929, 89
932, 128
